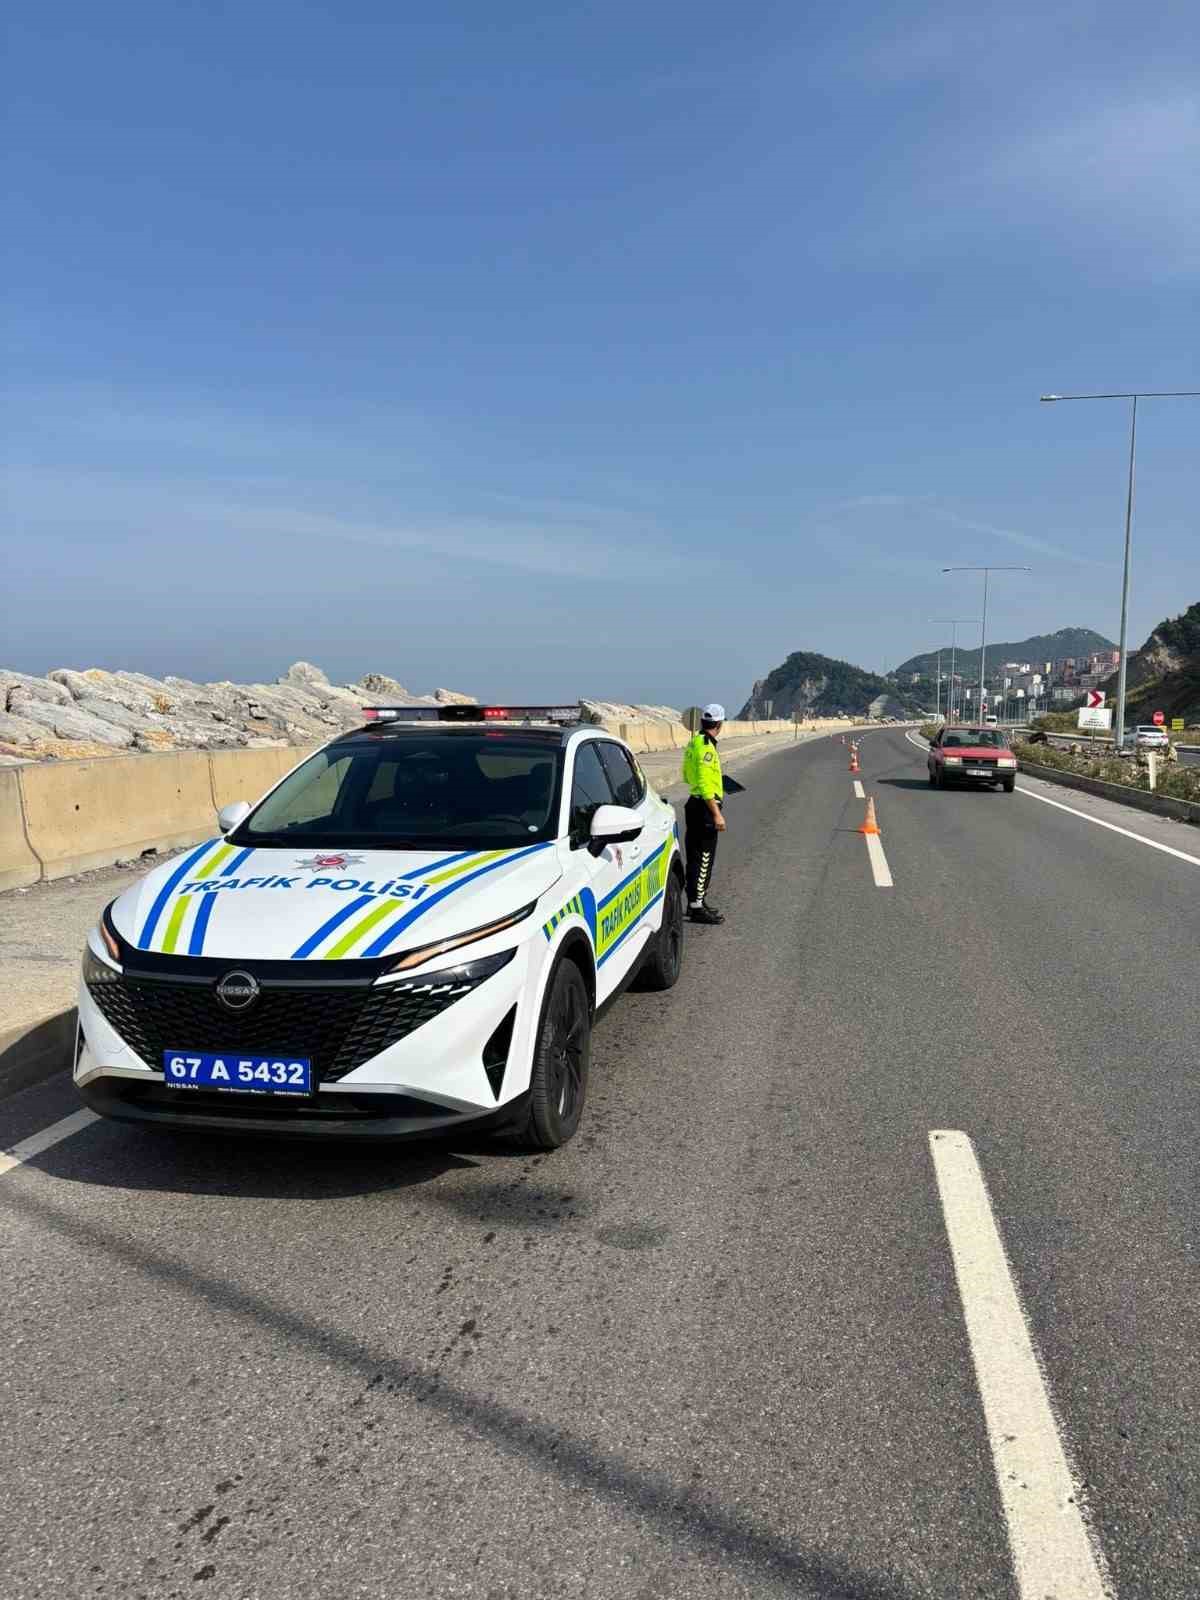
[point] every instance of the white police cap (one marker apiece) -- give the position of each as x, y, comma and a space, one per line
713, 712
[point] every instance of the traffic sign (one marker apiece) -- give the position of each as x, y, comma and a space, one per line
1158, 719
1101, 717
1176, 724
1095, 697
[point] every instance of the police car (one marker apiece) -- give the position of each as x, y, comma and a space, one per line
412, 932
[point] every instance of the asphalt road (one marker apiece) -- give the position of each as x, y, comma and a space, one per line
714, 1347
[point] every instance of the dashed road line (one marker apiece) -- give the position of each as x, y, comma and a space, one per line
880, 870
36, 1143
1053, 1551
859, 792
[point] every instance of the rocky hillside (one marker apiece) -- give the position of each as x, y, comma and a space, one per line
817, 685
1164, 675
99, 713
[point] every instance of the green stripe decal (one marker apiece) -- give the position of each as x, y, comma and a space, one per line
180, 908
362, 926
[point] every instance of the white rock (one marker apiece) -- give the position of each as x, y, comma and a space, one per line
69, 722
36, 688
20, 730
304, 673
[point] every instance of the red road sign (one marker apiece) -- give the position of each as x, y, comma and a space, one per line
1095, 697
1158, 719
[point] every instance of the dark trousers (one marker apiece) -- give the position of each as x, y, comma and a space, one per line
700, 841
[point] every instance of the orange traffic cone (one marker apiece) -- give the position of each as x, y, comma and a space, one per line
869, 824
853, 759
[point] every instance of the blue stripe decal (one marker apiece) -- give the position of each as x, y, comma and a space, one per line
168, 888
636, 923
235, 866
200, 925
390, 933
436, 866
326, 928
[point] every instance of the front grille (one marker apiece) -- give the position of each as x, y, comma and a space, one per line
337, 1027
979, 761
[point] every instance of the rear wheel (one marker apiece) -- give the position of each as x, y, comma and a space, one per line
561, 1058
664, 959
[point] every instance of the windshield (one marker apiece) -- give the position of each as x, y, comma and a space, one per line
975, 739
421, 792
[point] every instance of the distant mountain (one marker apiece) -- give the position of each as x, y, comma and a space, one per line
1164, 675
820, 686
1041, 647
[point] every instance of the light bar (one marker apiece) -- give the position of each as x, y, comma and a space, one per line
472, 713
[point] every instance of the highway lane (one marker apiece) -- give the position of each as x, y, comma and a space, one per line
716, 1346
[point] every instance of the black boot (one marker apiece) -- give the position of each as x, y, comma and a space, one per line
708, 915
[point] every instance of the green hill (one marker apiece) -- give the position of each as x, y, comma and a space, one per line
1041, 647
819, 685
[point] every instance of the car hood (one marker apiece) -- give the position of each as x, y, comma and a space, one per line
271, 905
977, 752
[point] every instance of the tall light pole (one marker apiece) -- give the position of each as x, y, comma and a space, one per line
987, 572
953, 623
1132, 395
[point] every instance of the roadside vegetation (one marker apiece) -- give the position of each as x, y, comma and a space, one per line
1179, 782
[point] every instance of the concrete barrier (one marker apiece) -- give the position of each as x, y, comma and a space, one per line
19, 866
84, 814
248, 774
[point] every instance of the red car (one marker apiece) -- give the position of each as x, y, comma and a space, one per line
972, 755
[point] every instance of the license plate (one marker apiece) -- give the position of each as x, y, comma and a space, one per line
237, 1074
980, 772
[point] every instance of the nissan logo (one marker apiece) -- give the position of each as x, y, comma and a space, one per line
237, 991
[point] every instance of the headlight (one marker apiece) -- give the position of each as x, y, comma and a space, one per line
953, 761
96, 973
426, 952
455, 981
1006, 761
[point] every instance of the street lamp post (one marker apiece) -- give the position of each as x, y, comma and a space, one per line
1132, 395
987, 572
953, 623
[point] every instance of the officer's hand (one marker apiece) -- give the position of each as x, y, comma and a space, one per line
719, 823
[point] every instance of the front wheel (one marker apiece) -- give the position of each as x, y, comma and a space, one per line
664, 959
1009, 785
561, 1057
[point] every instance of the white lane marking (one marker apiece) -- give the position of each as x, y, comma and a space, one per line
1053, 1551
1168, 850
915, 738
859, 792
880, 870
26, 1149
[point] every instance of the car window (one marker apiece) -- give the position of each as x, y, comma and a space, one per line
590, 787
454, 791
624, 776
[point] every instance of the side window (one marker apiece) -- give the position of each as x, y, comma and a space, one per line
589, 788
626, 781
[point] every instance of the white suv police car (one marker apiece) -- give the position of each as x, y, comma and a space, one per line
412, 932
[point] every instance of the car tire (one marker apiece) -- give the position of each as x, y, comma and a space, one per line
1009, 785
562, 1051
663, 961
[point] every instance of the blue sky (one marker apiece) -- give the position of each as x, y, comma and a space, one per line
546, 348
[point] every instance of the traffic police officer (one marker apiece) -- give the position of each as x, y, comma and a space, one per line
703, 818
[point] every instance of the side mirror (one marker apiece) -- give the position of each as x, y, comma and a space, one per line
231, 815
615, 825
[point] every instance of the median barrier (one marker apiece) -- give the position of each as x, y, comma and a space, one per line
1162, 805
248, 774
85, 814
19, 866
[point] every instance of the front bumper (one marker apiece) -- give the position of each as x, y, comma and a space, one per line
968, 776
441, 1075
